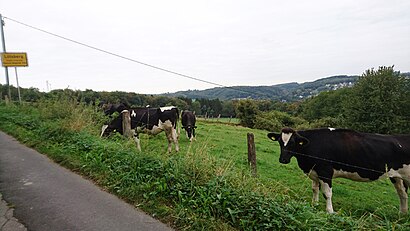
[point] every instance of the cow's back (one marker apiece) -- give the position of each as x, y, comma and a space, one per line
144, 117
352, 151
170, 114
188, 118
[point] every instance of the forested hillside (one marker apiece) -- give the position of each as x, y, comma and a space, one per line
283, 92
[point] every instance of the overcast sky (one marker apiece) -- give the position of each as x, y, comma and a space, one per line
230, 43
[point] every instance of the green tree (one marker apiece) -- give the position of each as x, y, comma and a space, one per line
246, 111
31, 94
276, 120
379, 102
327, 104
196, 107
228, 108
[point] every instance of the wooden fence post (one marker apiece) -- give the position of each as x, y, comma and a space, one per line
6, 99
126, 124
252, 153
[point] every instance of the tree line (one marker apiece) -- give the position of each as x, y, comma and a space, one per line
209, 107
379, 102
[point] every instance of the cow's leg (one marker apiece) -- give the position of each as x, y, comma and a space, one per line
401, 188
175, 139
137, 141
326, 186
315, 189
315, 186
172, 137
103, 129
169, 135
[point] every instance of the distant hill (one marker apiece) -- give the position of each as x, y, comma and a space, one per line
283, 92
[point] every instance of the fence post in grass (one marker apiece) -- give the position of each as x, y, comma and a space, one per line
6, 99
252, 153
126, 124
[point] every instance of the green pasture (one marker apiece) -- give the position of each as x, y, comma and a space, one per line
207, 185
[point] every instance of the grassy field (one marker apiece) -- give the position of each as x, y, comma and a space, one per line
207, 185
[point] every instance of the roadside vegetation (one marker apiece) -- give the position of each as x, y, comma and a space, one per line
208, 184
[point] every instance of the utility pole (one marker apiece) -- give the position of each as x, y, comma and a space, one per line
4, 50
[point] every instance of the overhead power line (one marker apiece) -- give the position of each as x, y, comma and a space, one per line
133, 60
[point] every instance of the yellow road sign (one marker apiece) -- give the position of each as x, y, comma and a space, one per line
14, 59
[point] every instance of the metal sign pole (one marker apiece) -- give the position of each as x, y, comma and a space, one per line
18, 86
4, 50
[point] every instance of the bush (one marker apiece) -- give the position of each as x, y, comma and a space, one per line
325, 122
276, 120
246, 111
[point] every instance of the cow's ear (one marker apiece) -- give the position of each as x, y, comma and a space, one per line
273, 136
302, 141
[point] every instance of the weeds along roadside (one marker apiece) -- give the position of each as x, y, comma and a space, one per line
190, 190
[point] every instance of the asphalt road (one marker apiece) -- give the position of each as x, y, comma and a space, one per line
47, 196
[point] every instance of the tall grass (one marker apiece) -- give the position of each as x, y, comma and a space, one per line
206, 186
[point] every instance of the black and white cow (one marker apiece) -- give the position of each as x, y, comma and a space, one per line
151, 121
324, 154
188, 121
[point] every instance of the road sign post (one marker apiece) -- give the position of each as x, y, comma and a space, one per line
4, 50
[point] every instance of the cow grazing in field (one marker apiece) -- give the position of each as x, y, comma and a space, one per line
324, 154
188, 121
148, 120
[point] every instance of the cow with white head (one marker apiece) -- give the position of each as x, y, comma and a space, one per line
327, 153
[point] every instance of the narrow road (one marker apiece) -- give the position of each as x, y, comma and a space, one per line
47, 196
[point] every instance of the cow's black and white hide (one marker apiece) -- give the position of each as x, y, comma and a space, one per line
324, 154
188, 121
148, 120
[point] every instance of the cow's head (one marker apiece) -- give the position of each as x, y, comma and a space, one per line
114, 125
190, 132
106, 130
110, 109
290, 143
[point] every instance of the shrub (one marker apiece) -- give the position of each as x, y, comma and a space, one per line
246, 112
325, 122
276, 120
